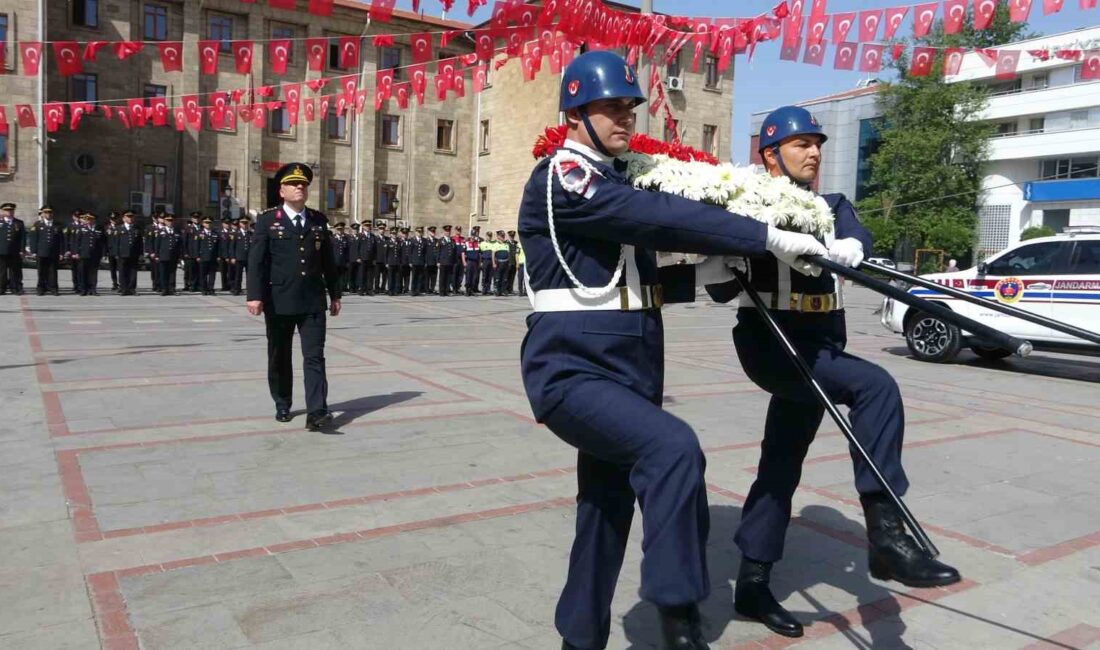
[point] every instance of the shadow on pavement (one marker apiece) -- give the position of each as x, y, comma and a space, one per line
351, 410
1038, 364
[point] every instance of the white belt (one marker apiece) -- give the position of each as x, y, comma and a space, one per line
646, 297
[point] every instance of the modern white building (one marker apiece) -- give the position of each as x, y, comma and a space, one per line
1043, 160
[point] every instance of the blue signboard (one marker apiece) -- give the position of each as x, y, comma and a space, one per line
1070, 190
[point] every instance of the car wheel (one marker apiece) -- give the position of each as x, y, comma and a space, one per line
931, 339
990, 353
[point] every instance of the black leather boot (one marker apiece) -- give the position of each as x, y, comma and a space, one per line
894, 555
681, 628
752, 598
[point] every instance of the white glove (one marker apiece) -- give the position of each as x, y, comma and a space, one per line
716, 269
788, 246
848, 252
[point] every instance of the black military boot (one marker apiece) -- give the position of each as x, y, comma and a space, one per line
681, 628
894, 555
752, 598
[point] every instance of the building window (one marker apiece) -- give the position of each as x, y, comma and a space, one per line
482, 201
86, 13
391, 130
673, 67
1078, 119
4, 152
84, 163
218, 181
1063, 168
673, 133
285, 33
1006, 129
390, 59
153, 180
1036, 124
221, 29
445, 192
710, 139
445, 135
712, 76
280, 121
334, 195
869, 141
153, 90
1005, 88
1040, 81
156, 22
337, 124
483, 137
334, 54
1056, 219
387, 199
83, 88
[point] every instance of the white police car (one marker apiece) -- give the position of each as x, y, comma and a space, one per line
1057, 277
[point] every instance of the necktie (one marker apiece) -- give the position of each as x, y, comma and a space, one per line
298, 221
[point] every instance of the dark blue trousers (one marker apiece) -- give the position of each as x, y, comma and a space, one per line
630, 449
794, 414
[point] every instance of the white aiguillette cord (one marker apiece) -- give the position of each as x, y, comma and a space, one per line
578, 187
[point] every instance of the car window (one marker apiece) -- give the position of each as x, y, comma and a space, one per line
1086, 258
1032, 259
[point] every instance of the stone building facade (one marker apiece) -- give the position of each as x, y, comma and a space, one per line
19, 148
461, 161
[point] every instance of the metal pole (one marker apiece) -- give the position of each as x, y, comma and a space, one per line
646, 8
807, 374
43, 139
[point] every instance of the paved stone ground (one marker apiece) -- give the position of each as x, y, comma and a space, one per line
148, 498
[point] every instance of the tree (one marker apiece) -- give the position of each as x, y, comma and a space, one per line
926, 175
1034, 232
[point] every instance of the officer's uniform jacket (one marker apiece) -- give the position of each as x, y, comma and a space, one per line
13, 237
206, 246
502, 253
365, 247
448, 252
169, 245
431, 253
150, 240
562, 349
91, 242
418, 251
128, 243
72, 231
242, 246
290, 270
486, 251
381, 244
341, 245
394, 251
227, 243
47, 241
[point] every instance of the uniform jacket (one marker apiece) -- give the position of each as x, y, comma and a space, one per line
243, 246
206, 246
562, 350
13, 237
366, 247
169, 245
277, 274
72, 230
91, 243
448, 252
128, 243
381, 243
341, 245
418, 251
486, 249
46, 241
227, 243
431, 255
394, 251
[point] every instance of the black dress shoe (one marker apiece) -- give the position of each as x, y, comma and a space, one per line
753, 599
282, 415
894, 555
681, 628
318, 421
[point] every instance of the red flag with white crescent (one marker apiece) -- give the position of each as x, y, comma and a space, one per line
349, 51
342, 102
815, 30
868, 24
923, 16
1090, 69
208, 56
893, 19
349, 85
383, 82
159, 106
292, 94
484, 45
171, 56
316, 84
481, 75
136, 109
401, 92
1007, 60
309, 109
983, 13
219, 104
1018, 10
360, 100
77, 111
842, 24
789, 51
817, 8
242, 56
382, 10
191, 108
870, 58
953, 13
421, 46
179, 116
952, 61
278, 52
91, 50
441, 85
321, 7
316, 48
24, 116
127, 49
31, 53
815, 53
1051, 7
67, 54
845, 56
53, 114
921, 64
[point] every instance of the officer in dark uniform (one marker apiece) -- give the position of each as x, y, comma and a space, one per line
460, 263
592, 360
91, 242
406, 261
227, 241
351, 281
208, 246
393, 266
431, 261
13, 238
418, 254
381, 243
169, 249
513, 245
47, 243
290, 270
128, 248
192, 274
502, 258
239, 256
521, 264
72, 230
448, 255
112, 258
811, 311
470, 250
150, 244
340, 252
488, 269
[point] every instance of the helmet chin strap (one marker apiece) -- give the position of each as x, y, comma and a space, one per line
592, 133
783, 168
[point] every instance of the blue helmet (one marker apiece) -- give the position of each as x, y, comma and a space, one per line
786, 121
599, 74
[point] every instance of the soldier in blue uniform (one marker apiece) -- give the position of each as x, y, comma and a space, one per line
418, 257
128, 247
290, 271
488, 268
91, 243
112, 249
47, 243
448, 257
431, 260
192, 276
207, 250
592, 361
811, 311
503, 258
341, 253
13, 236
239, 255
169, 247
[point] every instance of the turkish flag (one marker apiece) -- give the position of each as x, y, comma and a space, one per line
789, 51
159, 105
953, 13
360, 101
242, 56
513, 44
350, 86
1007, 60
923, 15
421, 46
235, 95
127, 49
418, 76
106, 110
349, 51
1067, 54
290, 5
342, 102
845, 56
842, 23
815, 53
1040, 55
67, 54
208, 57
191, 108
382, 10
219, 103
77, 112
378, 99
1018, 10
316, 49
124, 117
53, 114
316, 84
259, 116
441, 85
1088, 4
815, 29
265, 91
292, 94
320, 7
484, 46
401, 92
555, 60
3, 121
894, 17
383, 82
868, 24
91, 50
983, 13
480, 76
180, 118
870, 59
136, 109
817, 8
896, 50
1090, 69
309, 108
988, 55
31, 53
952, 61
1051, 7
171, 56
527, 67
24, 116
278, 52
922, 61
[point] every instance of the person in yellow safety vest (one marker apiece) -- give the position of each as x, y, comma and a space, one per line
521, 264
488, 246
502, 257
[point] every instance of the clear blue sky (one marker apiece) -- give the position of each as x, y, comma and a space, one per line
766, 82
